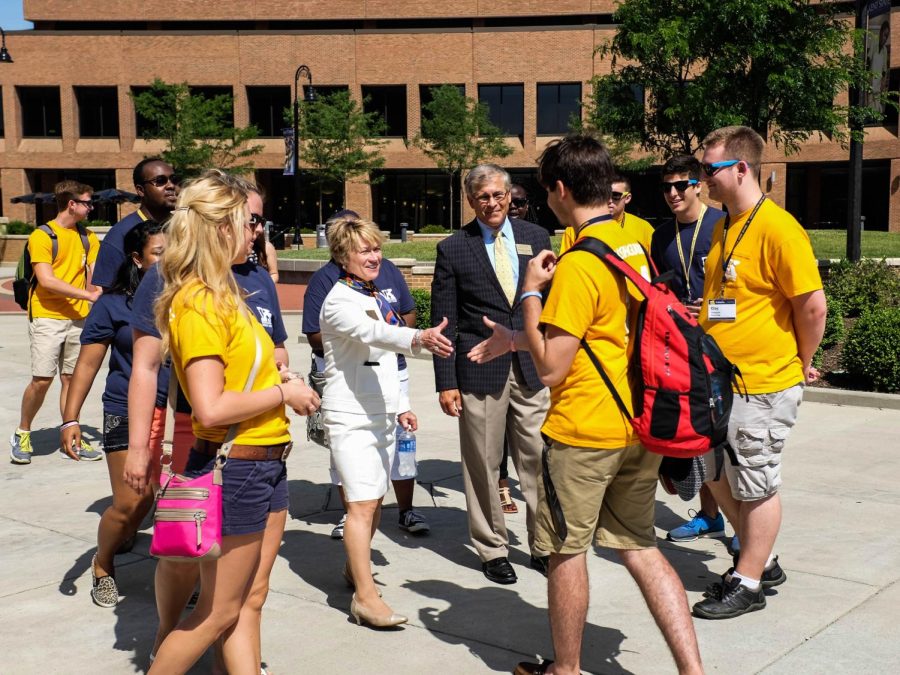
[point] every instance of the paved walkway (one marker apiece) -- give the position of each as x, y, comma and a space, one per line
839, 545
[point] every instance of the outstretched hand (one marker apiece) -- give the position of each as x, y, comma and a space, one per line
434, 340
496, 345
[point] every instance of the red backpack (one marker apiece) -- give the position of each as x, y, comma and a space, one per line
681, 381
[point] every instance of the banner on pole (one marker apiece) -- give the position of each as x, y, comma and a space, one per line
288, 151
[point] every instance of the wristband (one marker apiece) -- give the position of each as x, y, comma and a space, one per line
531, 294
281, 391
71, 423
512, 342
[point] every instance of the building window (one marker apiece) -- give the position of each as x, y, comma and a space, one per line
98, 112
389, 101
267, 106
144, 127
212, 92
325, 90
557, 104
425, 95
506, 106
41, 117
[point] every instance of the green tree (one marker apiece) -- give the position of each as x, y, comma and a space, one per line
774, 65
339, 140
457, 134
198, 131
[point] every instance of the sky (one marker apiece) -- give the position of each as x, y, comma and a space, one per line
11, 16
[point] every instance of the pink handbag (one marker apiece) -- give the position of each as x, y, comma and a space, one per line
187, 523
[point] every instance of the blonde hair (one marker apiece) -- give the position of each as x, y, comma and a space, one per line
346, 233
740, 143
204, 236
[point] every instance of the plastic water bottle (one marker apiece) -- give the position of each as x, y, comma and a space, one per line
406, 447
716, 402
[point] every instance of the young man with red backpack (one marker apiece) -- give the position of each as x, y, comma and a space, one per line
599, 482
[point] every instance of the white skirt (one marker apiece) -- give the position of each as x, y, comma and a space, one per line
362, 452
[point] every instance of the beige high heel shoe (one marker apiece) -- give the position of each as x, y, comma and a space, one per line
361, 614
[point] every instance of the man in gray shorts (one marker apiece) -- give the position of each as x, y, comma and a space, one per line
763, 303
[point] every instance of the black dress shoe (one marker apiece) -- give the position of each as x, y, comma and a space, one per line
526, 668
541, 564
499, 571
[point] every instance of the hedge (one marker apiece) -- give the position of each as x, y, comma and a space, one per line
872, 349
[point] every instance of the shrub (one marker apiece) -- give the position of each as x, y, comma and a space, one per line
434, 229
307, 230
872, 349
423, 307
94, 224
866, 284
19, 227
835, 330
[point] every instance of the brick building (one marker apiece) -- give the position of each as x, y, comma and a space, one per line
66, 110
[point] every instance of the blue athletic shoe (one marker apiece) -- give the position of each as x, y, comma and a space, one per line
700, 525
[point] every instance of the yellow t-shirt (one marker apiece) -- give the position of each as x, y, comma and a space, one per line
69, 266
589, 299
197, 331
773, 263
640, 229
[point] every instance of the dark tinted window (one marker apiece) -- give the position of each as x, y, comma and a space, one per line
267, 106
425, 92
98, 112
322, 90
556, 105
212, 92
143, 126
389, 101
506, 106
40, 112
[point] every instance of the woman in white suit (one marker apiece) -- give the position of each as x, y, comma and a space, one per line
362, 401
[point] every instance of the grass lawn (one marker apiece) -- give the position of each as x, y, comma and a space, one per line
826, 244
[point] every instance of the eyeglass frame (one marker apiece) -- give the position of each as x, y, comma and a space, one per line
712, 168
519, 202
257, 220
171, 178
84, 202
485, 198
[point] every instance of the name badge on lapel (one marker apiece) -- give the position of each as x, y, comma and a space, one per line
524, 249
372, 314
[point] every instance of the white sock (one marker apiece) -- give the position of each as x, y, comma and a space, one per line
770, 561
752, 584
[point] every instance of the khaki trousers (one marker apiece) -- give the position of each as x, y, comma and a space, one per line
519, 413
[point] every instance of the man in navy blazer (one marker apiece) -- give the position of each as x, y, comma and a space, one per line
479, 272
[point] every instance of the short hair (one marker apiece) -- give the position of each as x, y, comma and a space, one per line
581, 163
619, 178
339, 215
137, 174
740, 143
346, 234
66, 190
680, 164
481, 174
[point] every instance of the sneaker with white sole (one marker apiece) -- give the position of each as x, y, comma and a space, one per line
338, 531
86, 452
732, 599
104, 591
700, 525
413, 522
20, 447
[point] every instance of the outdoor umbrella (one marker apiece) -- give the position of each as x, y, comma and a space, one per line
115, 196
34, 198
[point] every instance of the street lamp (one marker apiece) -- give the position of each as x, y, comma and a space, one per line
309, 97
4, 53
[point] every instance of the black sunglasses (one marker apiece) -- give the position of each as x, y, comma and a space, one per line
84, 202
520, 202
256, 219
161, 180
680, 185
616, 196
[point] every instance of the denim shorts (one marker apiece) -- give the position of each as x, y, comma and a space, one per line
251, 490
115, 432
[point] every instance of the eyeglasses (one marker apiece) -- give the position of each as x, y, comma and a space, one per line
520, 202
161, 180
486, 198
87, 203
715, 167
256, 220
680, 185
616, 196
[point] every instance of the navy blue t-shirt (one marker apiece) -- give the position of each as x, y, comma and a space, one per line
112, 251
110, 319
389, 281
664, 252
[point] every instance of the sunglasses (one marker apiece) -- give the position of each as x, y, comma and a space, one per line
161, 180
520, 202
256, 220
679, 185
84, 202
616, 196
715, 167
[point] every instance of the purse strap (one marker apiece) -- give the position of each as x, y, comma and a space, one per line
169, 432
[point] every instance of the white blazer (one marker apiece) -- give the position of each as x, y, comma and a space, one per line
361, 355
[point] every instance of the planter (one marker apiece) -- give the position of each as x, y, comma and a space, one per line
11, 247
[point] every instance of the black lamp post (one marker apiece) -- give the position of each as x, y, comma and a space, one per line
310, 96
4, 53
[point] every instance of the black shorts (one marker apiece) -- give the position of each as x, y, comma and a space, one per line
115, 432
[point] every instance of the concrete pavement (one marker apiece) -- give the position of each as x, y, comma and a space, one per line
840, 547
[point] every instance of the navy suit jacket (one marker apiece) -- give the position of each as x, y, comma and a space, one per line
465, 288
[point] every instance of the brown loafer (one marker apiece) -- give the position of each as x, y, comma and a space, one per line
526, 668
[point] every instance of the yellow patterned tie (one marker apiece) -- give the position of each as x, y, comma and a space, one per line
503, 267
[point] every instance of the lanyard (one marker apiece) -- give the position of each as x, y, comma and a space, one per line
686, 265
592, 221
727, 261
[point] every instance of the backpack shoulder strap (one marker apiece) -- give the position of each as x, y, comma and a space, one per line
606, 380
54, 241
600, 249
83, 233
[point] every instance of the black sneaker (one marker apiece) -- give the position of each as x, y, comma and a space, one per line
771, 577
733, 599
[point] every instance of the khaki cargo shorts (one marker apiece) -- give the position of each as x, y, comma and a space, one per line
55, 344
597, 496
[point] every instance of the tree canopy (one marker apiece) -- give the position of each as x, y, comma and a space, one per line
681, 69
198, 130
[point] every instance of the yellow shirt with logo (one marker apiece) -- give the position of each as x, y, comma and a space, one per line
198, 330
773, 263
640, 229
589, 299
69, 266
